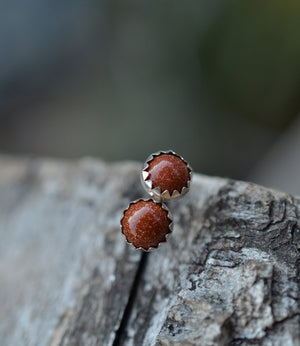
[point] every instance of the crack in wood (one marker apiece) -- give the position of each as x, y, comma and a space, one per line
131, 300
229, 273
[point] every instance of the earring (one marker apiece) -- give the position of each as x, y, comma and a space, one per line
146, 223
166, 176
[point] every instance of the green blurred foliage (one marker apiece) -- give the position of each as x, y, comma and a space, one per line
250, 59
132, 82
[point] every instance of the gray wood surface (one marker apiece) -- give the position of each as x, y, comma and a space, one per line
229, 274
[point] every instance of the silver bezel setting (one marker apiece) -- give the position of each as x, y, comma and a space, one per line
156, 193
169, 215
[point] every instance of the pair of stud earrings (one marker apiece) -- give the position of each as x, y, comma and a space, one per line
146, 223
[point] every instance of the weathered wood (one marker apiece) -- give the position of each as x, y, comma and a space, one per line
62, 260
229, 274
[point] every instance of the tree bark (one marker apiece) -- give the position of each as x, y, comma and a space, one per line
229, 274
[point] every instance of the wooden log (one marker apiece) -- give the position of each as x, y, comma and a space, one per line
229, 274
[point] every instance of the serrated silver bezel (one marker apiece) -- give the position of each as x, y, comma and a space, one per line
169, 215
156, 193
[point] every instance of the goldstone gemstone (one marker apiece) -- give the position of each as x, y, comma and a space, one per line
145, 224
169, 172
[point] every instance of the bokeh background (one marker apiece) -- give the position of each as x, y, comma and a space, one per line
218, 81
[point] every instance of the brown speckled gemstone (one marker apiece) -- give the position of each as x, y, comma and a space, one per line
168, 172
145, 224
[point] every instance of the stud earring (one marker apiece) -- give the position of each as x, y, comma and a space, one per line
146, 223
166, 176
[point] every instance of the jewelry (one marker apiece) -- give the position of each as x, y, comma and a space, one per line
166, 176
146, 223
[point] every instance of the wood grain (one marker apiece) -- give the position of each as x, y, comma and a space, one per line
229, 274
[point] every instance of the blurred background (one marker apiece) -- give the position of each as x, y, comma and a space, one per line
217, 81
